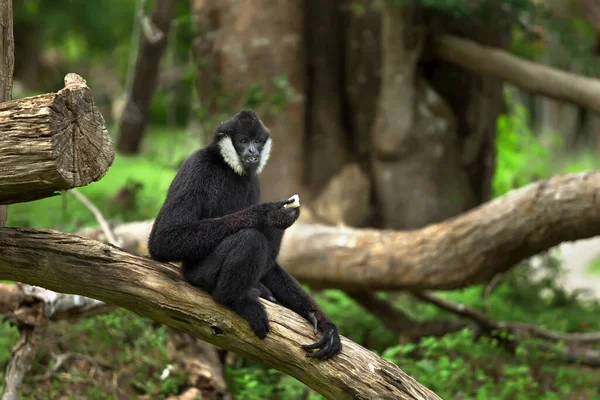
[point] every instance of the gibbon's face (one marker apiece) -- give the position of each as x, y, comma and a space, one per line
245, 143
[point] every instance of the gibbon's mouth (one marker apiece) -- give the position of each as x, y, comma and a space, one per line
251, 160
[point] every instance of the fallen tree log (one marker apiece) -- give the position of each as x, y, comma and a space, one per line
52, 142
467, 249
68, 264
527, 75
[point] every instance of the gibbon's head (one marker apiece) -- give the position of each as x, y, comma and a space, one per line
244, 142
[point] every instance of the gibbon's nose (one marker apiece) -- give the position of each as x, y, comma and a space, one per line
252, 150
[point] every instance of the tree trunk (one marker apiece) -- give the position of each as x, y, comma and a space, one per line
253, 44
7, 65
475, 100
52, 142
156, 290
327, 140
153, 43
416, 163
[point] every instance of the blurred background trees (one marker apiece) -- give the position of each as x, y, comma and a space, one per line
361, 107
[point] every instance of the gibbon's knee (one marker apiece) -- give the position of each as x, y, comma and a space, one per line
247, 243
245, 260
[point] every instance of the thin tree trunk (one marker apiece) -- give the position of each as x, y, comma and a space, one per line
7, 64
153, 43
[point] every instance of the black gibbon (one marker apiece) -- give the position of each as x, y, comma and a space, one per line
228, 243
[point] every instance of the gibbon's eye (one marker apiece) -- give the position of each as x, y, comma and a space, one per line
256, 141
244, 141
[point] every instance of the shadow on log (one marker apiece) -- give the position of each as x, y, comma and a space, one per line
68, 264
52, 142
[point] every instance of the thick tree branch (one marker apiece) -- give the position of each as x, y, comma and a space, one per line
467, 249
68, 264
530, 76
52, 142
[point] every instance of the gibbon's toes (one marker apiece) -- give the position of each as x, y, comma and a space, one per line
329, 346
260, 327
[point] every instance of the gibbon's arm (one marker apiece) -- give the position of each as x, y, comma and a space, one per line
288, 292
173, 240
195, 240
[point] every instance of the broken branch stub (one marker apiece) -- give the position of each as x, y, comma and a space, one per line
52, 142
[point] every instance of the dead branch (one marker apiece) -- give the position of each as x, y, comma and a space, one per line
455, 253
110, 237
31, 322
409, 329
523, 330
530, 76
467, 249
156, 290
518, 328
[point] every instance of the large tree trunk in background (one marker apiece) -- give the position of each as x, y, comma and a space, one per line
327, 141
476, 101
362, 74
135, 115
258, 41
7, 64
416, 160
429, 156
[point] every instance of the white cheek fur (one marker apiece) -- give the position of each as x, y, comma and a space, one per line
233, 160
230, 155
264, 156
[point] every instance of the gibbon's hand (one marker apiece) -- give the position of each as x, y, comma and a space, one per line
329, 345
280, 217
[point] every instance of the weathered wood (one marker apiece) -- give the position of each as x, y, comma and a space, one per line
7, 65
469, 248
455, 253
156, 290
535, 78
52, 142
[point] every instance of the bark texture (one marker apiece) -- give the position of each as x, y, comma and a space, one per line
501, 65
469, 248
417, 174
156, 290
249, 45
52, 142
7, 64
327, 140
153, 43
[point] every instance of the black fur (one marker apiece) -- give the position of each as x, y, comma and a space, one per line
227, 243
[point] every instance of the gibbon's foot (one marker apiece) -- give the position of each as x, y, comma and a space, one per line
260, 323
329, 345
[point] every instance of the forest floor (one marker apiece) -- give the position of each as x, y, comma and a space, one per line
578, 259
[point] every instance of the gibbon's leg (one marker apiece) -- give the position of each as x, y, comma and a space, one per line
262, 291
288, 292
242, 258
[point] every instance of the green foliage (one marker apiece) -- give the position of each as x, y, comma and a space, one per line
251, 381
521, 158
594, 266
460, 366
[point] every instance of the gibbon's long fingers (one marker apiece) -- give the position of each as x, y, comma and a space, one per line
313, 318
326, 336
325, 352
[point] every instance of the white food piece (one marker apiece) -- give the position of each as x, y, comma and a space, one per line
296, 202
